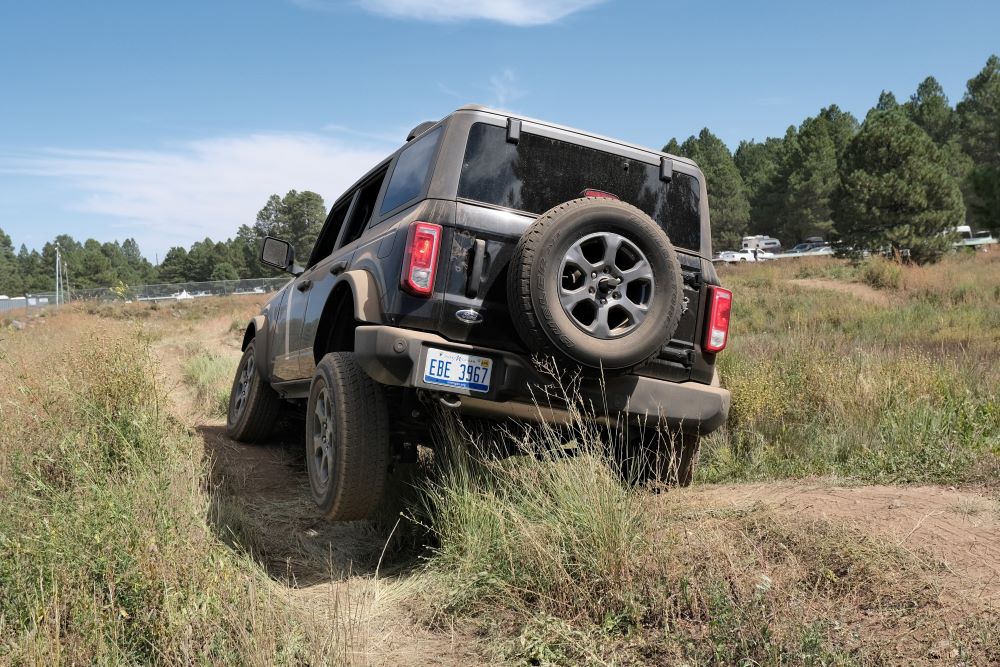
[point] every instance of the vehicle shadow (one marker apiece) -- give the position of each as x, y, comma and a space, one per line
261, 506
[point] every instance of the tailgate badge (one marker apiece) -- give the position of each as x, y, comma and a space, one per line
469, 316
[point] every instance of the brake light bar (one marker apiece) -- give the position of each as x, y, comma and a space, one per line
423, 241
720, 302
601, 194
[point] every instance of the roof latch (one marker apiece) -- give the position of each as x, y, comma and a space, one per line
666, 168
513, 130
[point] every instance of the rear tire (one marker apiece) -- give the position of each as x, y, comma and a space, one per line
347, 439
253, 405
655, 458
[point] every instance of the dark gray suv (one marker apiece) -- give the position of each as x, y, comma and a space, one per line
485, 243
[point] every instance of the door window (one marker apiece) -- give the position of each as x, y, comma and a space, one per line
331, 230
362, 210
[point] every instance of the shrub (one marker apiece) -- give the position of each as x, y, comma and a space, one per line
881, 273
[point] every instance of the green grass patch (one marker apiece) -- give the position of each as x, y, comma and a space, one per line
211, 377
825, 383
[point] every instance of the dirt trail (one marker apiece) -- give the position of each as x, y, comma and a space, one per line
262, 494
959, 528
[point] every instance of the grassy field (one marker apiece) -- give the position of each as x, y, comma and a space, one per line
116, 546
893, 378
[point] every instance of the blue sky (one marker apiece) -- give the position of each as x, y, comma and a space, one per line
172, 121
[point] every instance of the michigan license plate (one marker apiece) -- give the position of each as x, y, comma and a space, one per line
454, 369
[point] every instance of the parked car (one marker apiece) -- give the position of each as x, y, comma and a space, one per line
806, 246
820, 251
735, 256
486, 241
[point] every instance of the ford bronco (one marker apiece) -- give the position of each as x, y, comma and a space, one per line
487, 242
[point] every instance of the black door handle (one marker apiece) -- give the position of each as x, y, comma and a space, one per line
304, 285
338, 267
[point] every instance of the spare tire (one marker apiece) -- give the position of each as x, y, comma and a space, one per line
596, 282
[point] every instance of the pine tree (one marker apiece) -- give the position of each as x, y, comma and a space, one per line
727, 199
886, 102
11, 283
811, 170
979, 122
929, 109
895, 191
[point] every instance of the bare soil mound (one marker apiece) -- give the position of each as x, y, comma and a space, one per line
959, 528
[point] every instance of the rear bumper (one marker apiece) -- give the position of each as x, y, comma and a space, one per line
396, 356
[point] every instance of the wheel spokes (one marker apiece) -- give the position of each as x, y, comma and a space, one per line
576, 257
606, 284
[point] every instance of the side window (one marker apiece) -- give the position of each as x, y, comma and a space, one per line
363, 209
331, 230
410, 173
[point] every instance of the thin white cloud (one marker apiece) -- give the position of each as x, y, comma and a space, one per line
511, 12
198, 189
501, 89
503, 86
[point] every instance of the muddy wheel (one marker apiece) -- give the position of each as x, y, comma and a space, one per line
253, 405
347, 439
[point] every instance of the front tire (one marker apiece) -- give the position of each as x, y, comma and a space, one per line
347, 439
253, 405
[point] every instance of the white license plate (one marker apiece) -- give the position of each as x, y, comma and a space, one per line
454, 369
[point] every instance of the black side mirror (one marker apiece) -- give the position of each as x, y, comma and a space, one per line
277, 253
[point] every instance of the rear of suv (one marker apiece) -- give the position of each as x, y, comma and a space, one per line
487, 253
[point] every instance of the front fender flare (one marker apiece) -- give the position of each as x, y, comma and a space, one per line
257, 332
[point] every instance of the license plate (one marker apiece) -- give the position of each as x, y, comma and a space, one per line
454, 369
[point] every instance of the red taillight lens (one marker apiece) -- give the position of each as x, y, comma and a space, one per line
420, 261
720, 302
590, 192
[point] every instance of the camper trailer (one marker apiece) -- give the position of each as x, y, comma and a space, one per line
760, 242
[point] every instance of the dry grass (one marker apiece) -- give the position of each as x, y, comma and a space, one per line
106, 554
211, 377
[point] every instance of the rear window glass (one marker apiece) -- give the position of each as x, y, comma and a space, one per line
411, 171
538, 173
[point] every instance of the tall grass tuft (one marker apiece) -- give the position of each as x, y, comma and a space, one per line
211, 376
547, 531
881, 273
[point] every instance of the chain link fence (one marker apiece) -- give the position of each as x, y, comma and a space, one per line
26, 303
158, 292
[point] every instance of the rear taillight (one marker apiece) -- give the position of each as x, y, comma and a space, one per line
720, 302
420, 261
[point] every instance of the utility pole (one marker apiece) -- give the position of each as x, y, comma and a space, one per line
58, 274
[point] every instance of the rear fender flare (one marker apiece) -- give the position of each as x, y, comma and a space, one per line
367, 306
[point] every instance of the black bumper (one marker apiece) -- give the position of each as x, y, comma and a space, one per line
396, 356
